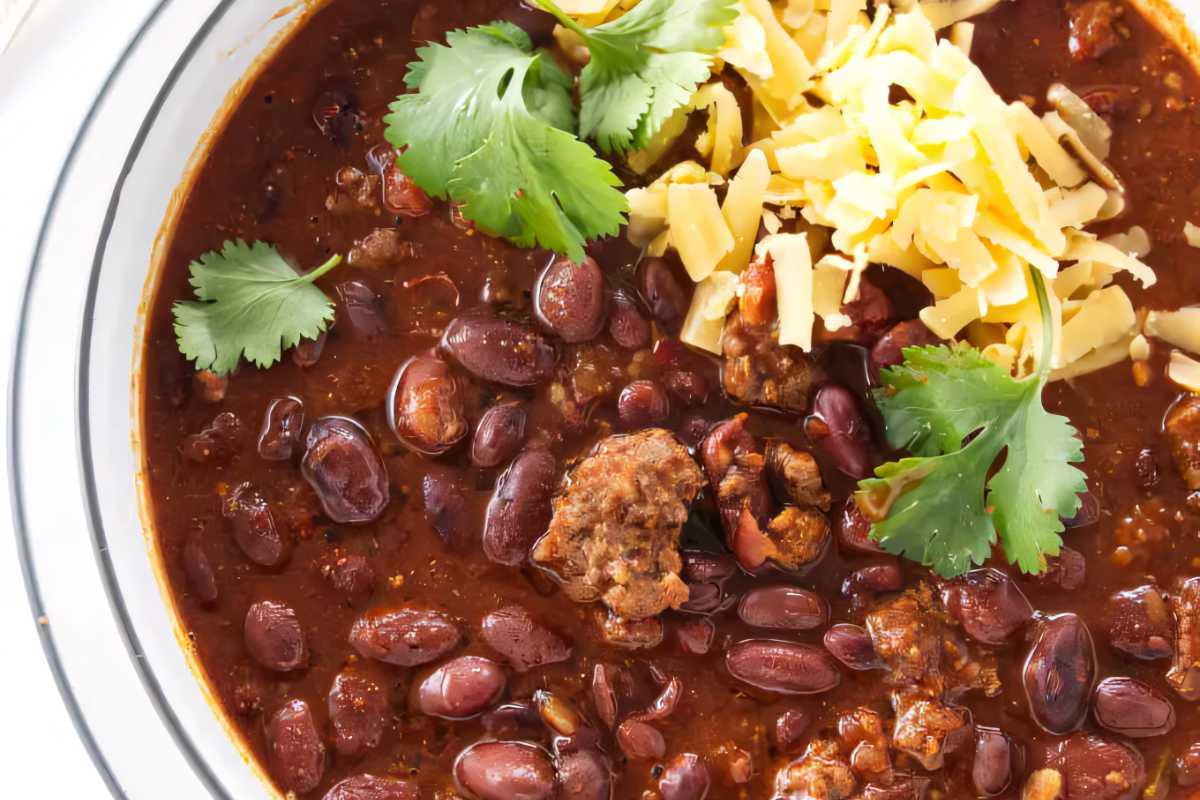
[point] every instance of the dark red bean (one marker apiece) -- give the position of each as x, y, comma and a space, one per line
643, 404
1132, 708
783, 667
217, 443
570, 300
343, 468
1059, 672
523, 641
351, 576
689, 388
696, 636
661, 291
584, 775
1066, 571
499, 350
519, 511
274, 637
1139, 623
1097, 767
626, 325
461, 688
372, 787
888, 351
987, 604
426, 408
254, 529
640, 741
499, 434
667, 700
281, 429
295, 746
358, 712
198, 569
700, 566
783, 607
835, 407
851, 645
447, 508
875, 579
604, 696
840, 430
685, 777
506, 771
788, 732
854, 531
308, 352
1088, 513
405, 637
992, 769
360, 311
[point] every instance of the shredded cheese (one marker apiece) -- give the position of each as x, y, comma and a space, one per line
1180, 328
1192, 234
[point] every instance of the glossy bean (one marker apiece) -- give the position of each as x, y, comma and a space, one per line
992, 769
499, 434
640, 741
783, 667
662, 291
281, 429
789, 731
783, 607
854, 531
353, 577
199, 572
1058, 673
274, 637
447, 508
506, 771
358, 712
626, 325
461, 688
373, 787
584, 775
1139, 623
685, 777
643, 404
570, 300
426, 407
254, 529
851, 645
696, 636
523, 640
1096, 767
888, 350
519, 510
360, 311
1132, 708
344, 469
988, 605
499, 350
604, 696
297, 754
404, 636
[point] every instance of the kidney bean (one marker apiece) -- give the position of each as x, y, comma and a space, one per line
570, 300
1187, 766
987, 604
685, 777
1066, 571
426, 409
307, 352
447, 509
1058, 673
783, 607
696, 636
1096, 767
499, 350
461, 688
888, 351
372, 787
626, 325
358, 712
643, 404
216, 443
519, 511
506, 721
640, 741
584, 775
783, 667
851, 645
352, 576
1132, 708
254, 529
499, 434
661, 291
295, 746
701, 566
405, 637
523, 641
1139, 623
689, 388
199, 572
854, 531
992, 770
604, 696
343, 468
274, 638
360, 311
875, 579
788, 731
506, 771
281, 428
838, 427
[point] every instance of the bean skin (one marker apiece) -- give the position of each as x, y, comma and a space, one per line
506, 771
570, 300
1132, 708
640, 740
372, 787
254, 529
499, 434
274, 637
685, 777
783, 607
992, 769
426, 408
988, 605
1058, 673
783, 667
461, 688
519, 511
358, 712
405, 637
851, 645
345, 471
499, 350
297, 753
523, 640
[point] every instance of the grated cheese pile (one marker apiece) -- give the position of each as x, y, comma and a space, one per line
880, 142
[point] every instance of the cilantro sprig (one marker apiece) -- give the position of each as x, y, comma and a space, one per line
489, 125
988, 460
644, 65
250, 302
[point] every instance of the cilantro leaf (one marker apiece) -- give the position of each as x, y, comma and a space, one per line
489, 126
250, 302
959, 414
644, 65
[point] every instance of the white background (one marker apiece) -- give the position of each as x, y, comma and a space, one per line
49, 75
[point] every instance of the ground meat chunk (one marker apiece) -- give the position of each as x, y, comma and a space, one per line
907, 637
927, 729
615, 531
1184, 674
759, 371
1183, 431
798, 537
1095, 28
795, 476
822, 773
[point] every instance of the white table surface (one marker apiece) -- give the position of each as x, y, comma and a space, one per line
49, 75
